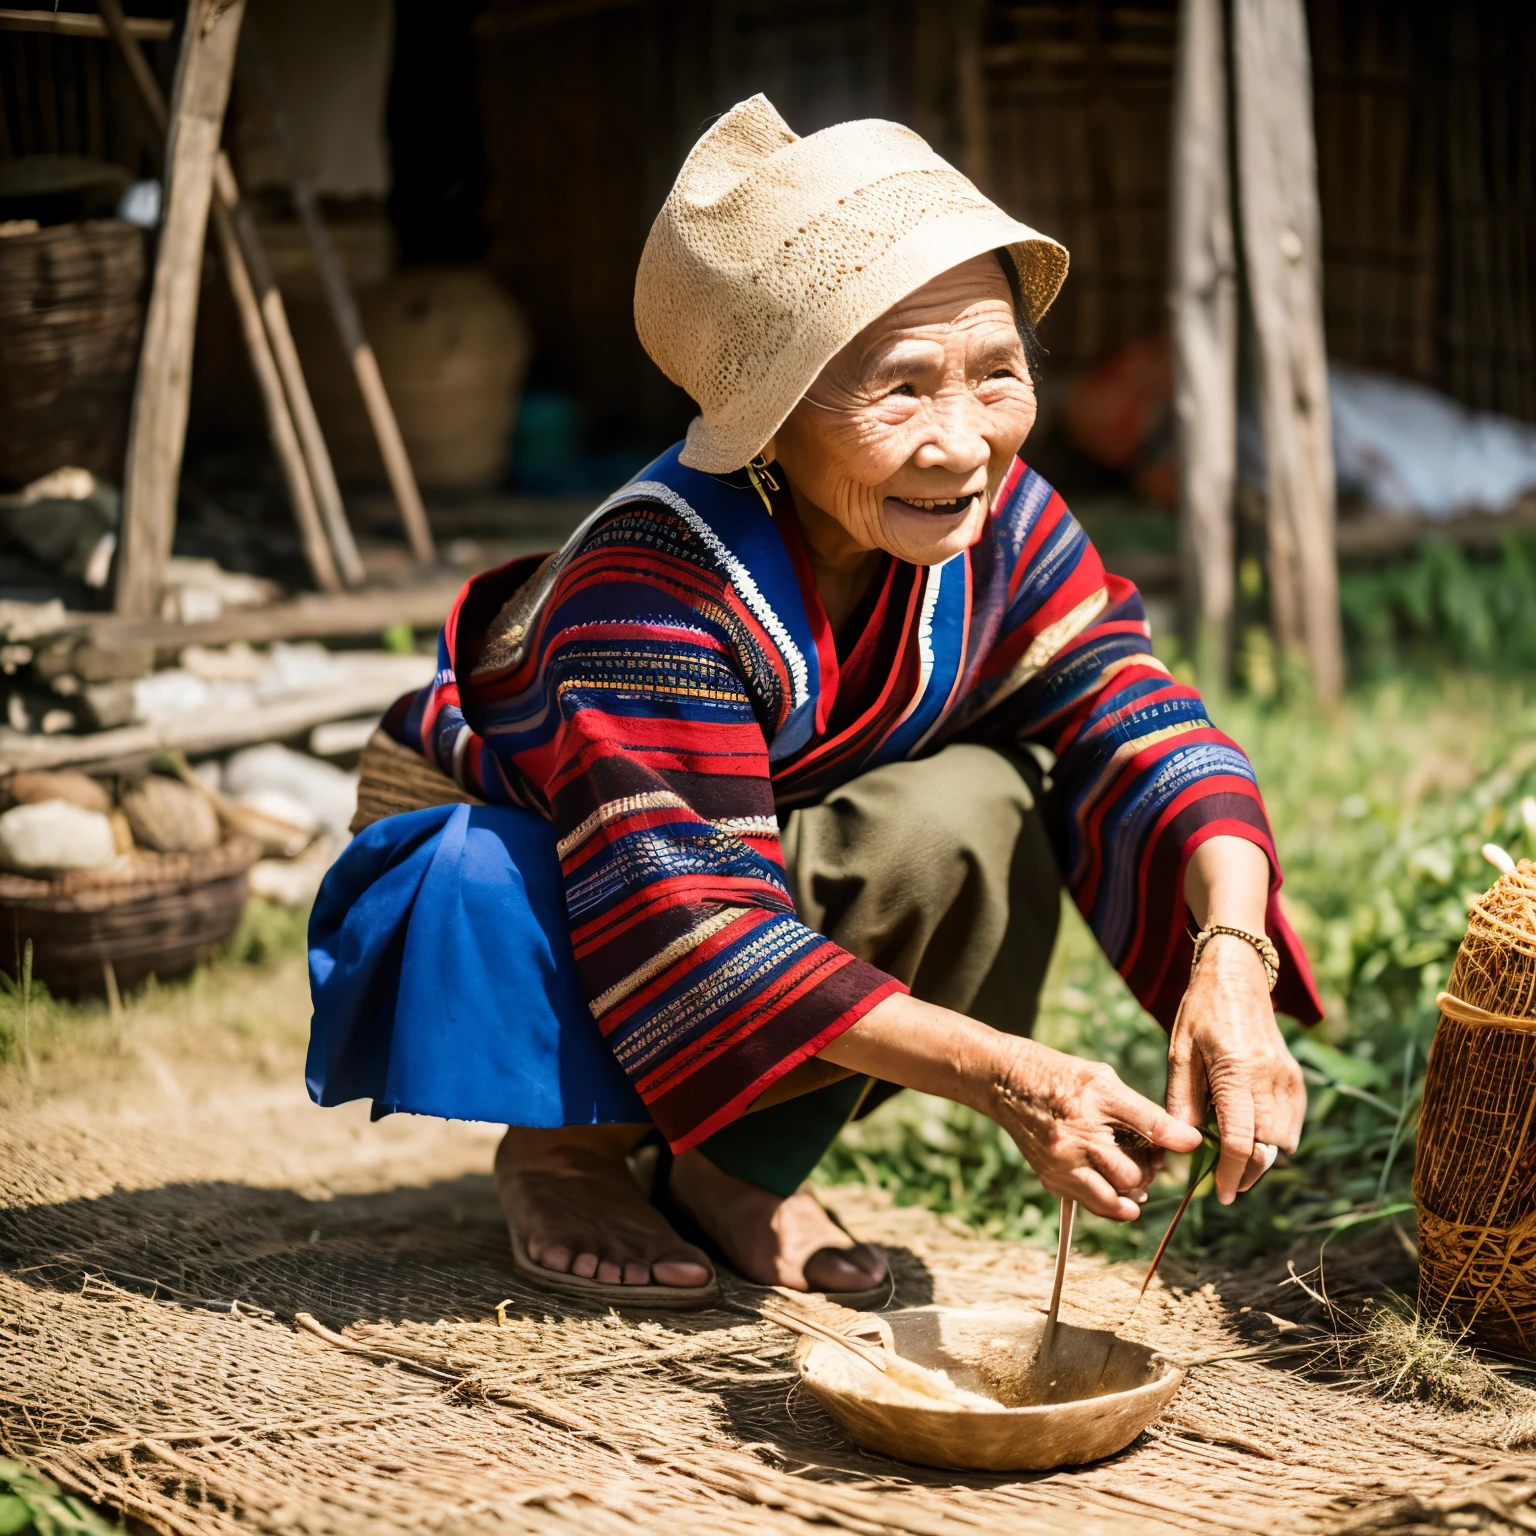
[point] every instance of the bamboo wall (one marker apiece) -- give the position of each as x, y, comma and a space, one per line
1078, 104
1426, 118
69, 96
1426, 141
1427, 162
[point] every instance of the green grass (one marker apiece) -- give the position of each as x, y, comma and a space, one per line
30, 1503
1379, 815
253, 991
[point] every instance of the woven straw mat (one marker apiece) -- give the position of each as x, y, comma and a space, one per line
160, 1231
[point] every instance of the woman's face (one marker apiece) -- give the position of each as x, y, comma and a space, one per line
907, 433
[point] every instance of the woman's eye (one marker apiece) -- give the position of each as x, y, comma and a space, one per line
1001, 373
905, 390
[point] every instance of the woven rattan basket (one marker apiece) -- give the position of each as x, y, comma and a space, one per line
71, 310
1475, 1178
154, 914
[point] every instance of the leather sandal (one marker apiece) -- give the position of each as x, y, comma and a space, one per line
673, 1297
687, 1227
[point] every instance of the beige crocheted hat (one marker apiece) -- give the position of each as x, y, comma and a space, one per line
772, 252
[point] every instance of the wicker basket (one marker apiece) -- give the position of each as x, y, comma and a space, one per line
71, 312
153, 915
1475, 1175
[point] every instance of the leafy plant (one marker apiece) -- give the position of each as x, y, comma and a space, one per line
29, 1502
1438, 603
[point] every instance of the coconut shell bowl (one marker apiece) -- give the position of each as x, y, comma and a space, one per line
1013, 1412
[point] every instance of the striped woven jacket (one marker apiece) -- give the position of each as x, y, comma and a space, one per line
667, 684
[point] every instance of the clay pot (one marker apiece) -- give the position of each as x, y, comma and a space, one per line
452, 349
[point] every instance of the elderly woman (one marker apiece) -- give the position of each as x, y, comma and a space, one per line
754, 803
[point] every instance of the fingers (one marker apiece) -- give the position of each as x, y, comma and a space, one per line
1263, 1159
1187, 1092
1094, 1192
1155, 1124
1234, 1120
1291, 1106
1118, 1168
1148, 1159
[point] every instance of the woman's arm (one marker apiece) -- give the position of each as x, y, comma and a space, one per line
1142, 777
1225, 1048
1062, 1112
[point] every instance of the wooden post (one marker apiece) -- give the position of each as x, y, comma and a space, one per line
274, 314
158, 425
969, 20
349, 324
257, 329
1277, 170
1202, 301
280, 425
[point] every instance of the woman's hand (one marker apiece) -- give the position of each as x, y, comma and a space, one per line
1226, 1049
1072, 1119
1078, 1125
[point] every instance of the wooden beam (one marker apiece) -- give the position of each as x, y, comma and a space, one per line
1385, 533
157, 428
374, 685
1277, 172
146, 29
1202, 301
305, 618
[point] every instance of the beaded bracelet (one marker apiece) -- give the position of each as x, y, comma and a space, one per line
1267, 951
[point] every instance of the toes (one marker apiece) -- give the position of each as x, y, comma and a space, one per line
845, 1269
555, 1256
610, 1272
680, 1272
585, 1265
637, 1272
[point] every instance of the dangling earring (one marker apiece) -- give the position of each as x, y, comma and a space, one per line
757, 473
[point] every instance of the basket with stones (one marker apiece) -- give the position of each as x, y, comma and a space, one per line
1475, 1177
112, 889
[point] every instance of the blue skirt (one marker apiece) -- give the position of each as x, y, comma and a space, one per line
443, 980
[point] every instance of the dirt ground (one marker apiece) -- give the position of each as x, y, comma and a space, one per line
170, 1202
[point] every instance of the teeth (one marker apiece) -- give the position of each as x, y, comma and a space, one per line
931, 506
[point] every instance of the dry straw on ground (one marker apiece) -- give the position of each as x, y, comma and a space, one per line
1475, 1177
161, 1232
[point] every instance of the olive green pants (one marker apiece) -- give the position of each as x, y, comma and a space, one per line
940, 873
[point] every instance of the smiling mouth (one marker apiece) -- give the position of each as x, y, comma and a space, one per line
936, 506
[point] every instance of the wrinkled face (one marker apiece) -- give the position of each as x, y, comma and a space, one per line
907, 433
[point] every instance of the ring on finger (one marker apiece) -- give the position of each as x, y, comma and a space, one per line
1268, 1151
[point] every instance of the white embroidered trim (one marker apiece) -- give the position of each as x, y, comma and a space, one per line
749, 826
741, 577
661, 799
933, 581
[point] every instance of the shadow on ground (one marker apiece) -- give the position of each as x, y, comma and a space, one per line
415, 1254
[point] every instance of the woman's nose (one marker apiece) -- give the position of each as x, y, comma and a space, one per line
955, 438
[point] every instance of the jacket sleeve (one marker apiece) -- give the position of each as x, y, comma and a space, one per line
1141, 776
647, 745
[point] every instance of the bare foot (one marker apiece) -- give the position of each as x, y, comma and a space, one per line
580, 1212
770, 1239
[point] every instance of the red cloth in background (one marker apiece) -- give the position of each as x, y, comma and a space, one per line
1120, 414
